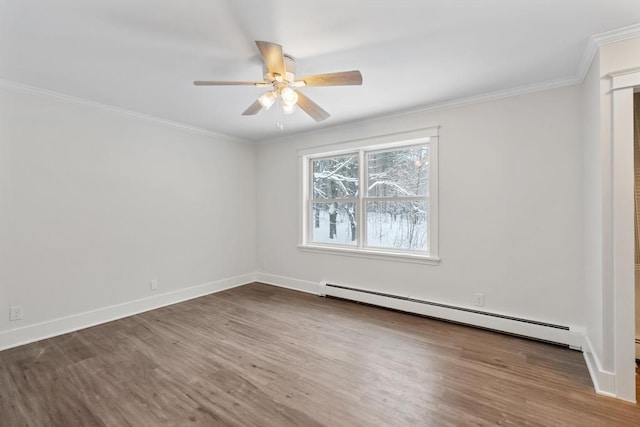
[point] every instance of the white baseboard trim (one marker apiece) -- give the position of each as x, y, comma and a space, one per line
288, 283
604, 382
572, 337
51, 328
466, 315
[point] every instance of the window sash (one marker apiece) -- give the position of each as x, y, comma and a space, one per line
362, 199
365, 224
364, 159
310, 221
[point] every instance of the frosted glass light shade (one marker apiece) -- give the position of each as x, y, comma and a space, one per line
289, 96
267, 99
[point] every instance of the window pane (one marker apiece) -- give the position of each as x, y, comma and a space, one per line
397, 225
334, 223
335, 178
399, 173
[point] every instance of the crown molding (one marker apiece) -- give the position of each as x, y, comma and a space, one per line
598, 40
20, 87
594, 42
496, 95
454, 103
589, 53
617, 35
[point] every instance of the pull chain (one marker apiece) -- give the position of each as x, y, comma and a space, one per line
280, 116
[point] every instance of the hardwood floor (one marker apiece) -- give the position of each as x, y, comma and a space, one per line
264, 356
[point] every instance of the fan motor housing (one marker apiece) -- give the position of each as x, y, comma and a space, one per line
290, 67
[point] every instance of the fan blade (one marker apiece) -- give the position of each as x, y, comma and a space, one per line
311, 108
273, 57
214, 83
344, 78
253, 109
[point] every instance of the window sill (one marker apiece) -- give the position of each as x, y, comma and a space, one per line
371, 254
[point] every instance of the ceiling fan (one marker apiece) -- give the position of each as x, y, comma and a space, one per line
281, 79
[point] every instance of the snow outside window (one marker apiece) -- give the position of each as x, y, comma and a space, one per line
373, 199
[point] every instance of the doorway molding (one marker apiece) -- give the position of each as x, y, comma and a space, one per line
623, 85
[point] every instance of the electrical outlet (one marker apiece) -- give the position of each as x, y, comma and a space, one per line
154, 284
16, 312
479, 301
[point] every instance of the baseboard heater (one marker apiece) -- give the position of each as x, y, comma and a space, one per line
542, 331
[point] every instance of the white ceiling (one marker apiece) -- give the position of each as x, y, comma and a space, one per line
142, 55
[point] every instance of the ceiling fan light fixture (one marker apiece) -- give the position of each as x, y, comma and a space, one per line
280, 77
289, 96
267, 99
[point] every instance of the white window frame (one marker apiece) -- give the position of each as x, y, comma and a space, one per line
419, 137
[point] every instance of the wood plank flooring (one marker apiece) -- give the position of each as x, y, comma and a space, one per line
263, 356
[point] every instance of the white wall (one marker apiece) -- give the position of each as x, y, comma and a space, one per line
95, 204
511, 209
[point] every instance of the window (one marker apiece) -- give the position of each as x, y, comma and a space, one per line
376, 199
